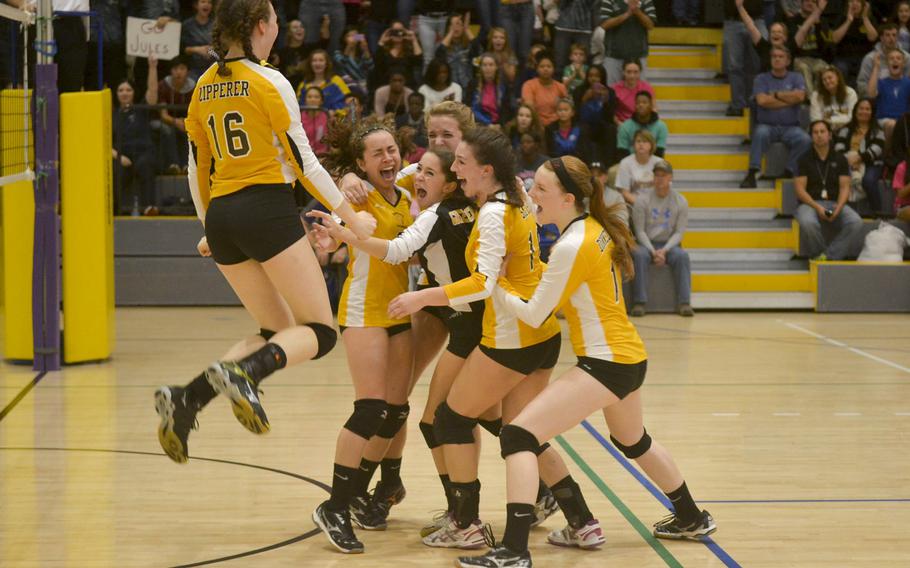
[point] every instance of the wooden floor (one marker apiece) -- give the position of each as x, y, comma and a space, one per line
793, 429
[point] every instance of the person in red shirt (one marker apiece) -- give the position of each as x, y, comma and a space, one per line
631, 85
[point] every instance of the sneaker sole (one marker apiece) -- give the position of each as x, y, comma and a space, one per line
696, 538
243, 410
169, 441
325, 531
460, 546
576, 545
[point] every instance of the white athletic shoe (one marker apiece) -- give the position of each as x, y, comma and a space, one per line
451, 536
440, 520
587, 537
545, 508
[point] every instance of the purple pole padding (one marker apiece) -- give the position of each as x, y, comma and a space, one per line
46, 271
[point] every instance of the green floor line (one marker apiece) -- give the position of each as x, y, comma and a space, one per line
658, 547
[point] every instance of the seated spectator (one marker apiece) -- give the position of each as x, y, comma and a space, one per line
133, 151
543, 92
627, 89
529, 70
644, 118
823, 188
196, 38
575, 73
626, 28
565, 137
526, 120
392, 98
458, 48
317, 72
291, 58
529, 157
175, 89
901, 17
853, 38
901, 185
891, 92
899, 143
887, 41
810, 33
778, 34
498, 45
636, 171
398, 47
862, 143
833, 101
595, 104
414, 118
410, 151
660, 218
438, 85
315, 120
778, 95
354, 61
490, 95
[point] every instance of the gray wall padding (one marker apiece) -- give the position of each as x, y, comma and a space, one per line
863, 288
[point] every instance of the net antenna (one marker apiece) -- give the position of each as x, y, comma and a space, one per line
17, 162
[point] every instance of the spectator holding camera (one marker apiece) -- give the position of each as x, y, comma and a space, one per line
354, 62
398, 47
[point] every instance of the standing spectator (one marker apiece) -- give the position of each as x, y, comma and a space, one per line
312, 12
891, 93
498, 45
315, 120
862, 143
626, 23
635, 174
526, 120
685, 12
517, 18
111, 14
72, 45
490, 95
176, 89
660, 218
354, 62
644, 118
565, 137
432, 25
458, 48
901, 185
901, 17
834, 100
392, 98
438, 85
573, 76
379, 17
574, 25
740, 58
196, 37
398, 47
317, 72
810, 33
787, 10
488, 12
414, 119
823, 173
779, 95
887, 35
627, 89
778, 34
595, 104
293, 56
543, 92
853, 37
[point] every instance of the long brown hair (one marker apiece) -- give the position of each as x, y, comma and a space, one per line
493, 148
446, 158
308, 75
234, 23
608, 217
840, 93
346, 141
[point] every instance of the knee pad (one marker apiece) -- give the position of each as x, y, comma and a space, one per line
453, 428
515, 439
398, 416
368, 416
492, 426
543, 447
326, 336
637, 449
429, 435
266, 333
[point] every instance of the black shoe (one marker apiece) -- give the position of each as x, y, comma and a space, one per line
669, 527
385, 496
498, 557
177, 419
337, 526
787, 174
545, 507
367, 515
227, 378
749, 181
733, 111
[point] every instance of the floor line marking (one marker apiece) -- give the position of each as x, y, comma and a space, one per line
834, 342
25, 390
724, 414
787, 414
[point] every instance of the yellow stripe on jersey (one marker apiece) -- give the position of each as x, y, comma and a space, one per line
245, 130
503, 230
582, 280
371, 283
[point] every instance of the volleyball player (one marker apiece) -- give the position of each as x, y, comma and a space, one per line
583, 279
514, 361
246, 137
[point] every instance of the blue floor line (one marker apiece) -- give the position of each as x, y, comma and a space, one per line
718, 551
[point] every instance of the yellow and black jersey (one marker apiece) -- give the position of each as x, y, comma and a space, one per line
245, 130
501, 231
405, 178
371, 283
582, 280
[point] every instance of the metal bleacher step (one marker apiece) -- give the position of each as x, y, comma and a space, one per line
731, 213
750, 266
713, 142
695, 158
755, 280
661, 36
740, 255
740, 234
753, 300
729, 178
695, 106
706, 124
676, 73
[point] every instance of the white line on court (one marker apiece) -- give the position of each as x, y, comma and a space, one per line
902, 413
848, 413
725, 414
845, 346
787, 414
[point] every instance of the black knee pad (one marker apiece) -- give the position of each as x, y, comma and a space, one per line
515, 439
398, 416
637, 449
429, 435
368, 416
453, 428
266, 333
326, 337
492, 426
